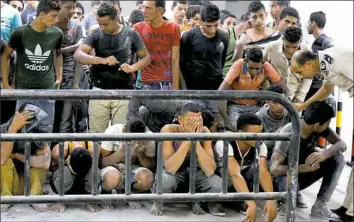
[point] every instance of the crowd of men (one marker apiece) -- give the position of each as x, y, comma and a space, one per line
53, 44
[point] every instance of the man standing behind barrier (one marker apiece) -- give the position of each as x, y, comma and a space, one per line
29, 119
176, 161
39, 58
334, 64
314, 163
112, 68
241, 156
113, 160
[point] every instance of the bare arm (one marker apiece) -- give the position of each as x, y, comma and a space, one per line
173, 160
41, 160
55, 153
109, 158
265, 178
175, 67
146, 161
70, 49
7, 147
82, 56
58, 67
5, 66
338, 146
321, 94
277, 167
205, 157
237, 179
222, 105
144, 59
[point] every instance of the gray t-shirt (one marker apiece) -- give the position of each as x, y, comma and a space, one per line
123, 46
307, 146
270, 125
72, 35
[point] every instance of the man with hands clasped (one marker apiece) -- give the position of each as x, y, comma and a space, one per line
314, 163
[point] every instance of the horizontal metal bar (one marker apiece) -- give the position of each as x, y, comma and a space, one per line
58, 137
168, 197
129, 94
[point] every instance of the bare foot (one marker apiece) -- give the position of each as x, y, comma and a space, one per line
197, 209
157, 209
59, 207
40, 207
93, 207
135, 205
107, 206
5, 207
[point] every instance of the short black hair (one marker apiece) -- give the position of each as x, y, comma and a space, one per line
290, 11
283, 3
224, 14
305, 56
276, 89
135, 126
293, 34
192, 11
254, 55
195, 2
136, 16
189, 107
210, 13
208, 118
47, 6
318, 112
80, 161
138, 3
245, 17
206, 3
248, 119
79, 5
160, 3
107, 9
113, 2
94, 3
255, 6
319, 18
175, 2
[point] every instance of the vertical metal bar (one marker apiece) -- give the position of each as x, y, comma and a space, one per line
293, 166
61, 169
27, 168
256, 168
128, 168
96, 154
159, 168
225, 162
193, 163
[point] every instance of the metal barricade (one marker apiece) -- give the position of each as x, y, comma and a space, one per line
294, 137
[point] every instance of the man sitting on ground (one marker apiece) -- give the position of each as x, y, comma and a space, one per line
241, 156
77, 175
28, 119
113, 159
274, 117
176, 161
314, 163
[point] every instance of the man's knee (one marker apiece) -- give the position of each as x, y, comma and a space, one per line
335, 162
145, 179
169, 182
68, 180
280, 183
215, 184
111, 180
38, 177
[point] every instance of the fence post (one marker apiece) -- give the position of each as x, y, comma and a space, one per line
225, 161
27, 168
61, 169
193, 163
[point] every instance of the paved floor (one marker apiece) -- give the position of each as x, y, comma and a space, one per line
175, 212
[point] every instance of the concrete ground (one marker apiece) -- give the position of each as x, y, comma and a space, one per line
172, 212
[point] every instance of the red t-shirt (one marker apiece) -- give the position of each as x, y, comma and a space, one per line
159, 42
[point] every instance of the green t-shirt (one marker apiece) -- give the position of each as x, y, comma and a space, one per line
230, 52
35, 56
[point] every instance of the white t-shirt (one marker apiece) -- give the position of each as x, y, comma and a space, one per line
117, 145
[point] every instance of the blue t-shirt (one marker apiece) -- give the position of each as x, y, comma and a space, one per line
10, 19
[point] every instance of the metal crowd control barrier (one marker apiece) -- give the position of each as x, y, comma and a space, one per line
294, 137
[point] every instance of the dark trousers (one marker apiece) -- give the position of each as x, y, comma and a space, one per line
330, 171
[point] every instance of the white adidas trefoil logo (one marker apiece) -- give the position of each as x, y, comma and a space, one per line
37, 58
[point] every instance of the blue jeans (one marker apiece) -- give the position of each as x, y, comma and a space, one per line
163, 85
